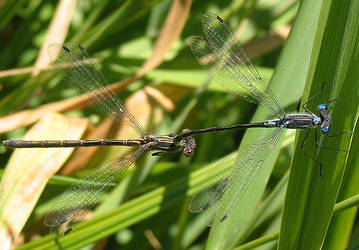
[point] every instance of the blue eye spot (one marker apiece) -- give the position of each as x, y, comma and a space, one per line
322, 106
325, 130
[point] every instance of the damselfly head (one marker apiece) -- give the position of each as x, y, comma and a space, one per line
188, 144
325, 118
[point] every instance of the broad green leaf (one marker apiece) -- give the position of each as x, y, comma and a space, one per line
310, 197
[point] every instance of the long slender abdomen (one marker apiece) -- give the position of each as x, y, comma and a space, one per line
69, 143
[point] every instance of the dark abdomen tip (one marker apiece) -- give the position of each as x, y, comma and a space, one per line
220, 19
80, 47
223, 218
66, 49
68, 231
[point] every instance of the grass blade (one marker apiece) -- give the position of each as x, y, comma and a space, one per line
310, 198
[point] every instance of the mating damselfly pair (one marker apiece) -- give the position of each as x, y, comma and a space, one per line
221, 52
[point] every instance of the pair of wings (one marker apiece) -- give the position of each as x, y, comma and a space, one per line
83, 73
220, 51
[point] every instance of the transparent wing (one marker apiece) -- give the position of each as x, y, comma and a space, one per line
83, 73
72, 205
219, 201
220, 50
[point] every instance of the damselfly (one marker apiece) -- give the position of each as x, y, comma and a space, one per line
220, 51
83, 73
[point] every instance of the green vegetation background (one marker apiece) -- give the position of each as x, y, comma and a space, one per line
153, 209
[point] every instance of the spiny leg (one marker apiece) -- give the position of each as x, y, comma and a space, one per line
313, 97
330, 101
308, 154
339, 133
328, 148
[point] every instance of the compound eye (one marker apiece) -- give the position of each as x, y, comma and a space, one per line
322, 107
325, 130
186, 130
188, 153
